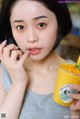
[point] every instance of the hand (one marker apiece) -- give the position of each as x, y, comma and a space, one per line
8, 56
75, 106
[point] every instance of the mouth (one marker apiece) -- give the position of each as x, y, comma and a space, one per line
34, 51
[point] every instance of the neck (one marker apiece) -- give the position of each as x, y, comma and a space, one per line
44, 65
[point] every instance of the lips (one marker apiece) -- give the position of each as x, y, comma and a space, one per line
34, 51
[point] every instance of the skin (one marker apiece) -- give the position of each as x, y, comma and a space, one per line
33, 34
27, 32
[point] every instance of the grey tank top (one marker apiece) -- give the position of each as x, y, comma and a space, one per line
37, 106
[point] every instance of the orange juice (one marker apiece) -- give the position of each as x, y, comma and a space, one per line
67, 74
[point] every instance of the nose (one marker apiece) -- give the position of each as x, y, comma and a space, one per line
32, 36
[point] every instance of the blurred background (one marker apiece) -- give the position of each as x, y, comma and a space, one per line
69, 47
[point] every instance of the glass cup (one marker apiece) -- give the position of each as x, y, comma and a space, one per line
67, 75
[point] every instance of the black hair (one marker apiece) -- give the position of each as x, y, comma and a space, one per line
60, 9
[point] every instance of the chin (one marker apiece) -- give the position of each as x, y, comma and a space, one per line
36, 57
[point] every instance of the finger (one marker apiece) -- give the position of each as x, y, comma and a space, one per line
7, 50
75, 87
15, 54
75, 105
74, 96
2, 45
23, 58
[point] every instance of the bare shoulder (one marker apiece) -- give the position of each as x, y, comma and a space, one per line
2, 90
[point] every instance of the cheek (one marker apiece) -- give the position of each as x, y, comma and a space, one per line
50, 38
17, 36
50, 44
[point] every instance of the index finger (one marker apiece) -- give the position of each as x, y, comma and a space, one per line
23, 58
2, 45
75, 87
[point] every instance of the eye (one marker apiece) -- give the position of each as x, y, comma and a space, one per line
20, 27
41, 25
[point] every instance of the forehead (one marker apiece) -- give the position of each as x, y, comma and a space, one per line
29, 8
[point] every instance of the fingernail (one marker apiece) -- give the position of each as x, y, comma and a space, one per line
28, 51
4, 41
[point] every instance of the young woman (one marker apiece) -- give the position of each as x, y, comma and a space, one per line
29, 73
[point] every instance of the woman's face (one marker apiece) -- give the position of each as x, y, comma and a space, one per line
34, 28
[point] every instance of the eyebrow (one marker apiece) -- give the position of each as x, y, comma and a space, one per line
36, 18
18, 21
39, 17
